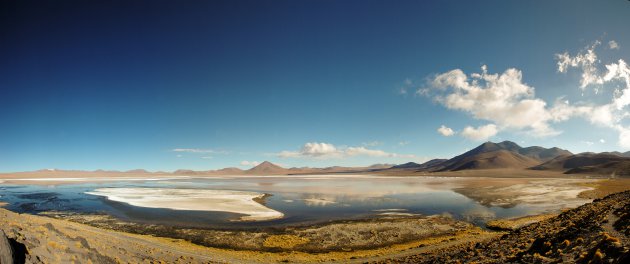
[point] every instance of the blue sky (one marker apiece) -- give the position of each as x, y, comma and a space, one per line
164, 85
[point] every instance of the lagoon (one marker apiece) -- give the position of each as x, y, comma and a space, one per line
269, 201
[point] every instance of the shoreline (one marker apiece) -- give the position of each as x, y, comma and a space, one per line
57, 240
239, 202
60, 235
69, 177
63, 235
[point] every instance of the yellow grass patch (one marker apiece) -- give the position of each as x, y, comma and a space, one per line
285, 241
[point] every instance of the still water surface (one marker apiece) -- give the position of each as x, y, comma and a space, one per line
302, 199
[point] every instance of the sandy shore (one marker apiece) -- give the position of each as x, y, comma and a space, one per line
193, 199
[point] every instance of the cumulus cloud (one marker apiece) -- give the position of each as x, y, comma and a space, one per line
313, 150
613, 44
508, 103
480, 133
585, 60
503, 99
327, 151
362, 151
249, 163
615, 112
602, 141
624, 137
445, 131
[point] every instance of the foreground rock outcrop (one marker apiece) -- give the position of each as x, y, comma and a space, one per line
6, 252
598, 232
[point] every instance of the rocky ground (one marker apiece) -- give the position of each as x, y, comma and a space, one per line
347, 235
39, 239
598, 232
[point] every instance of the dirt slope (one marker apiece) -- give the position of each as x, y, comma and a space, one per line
598, 232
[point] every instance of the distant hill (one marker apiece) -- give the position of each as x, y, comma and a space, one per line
408, 165
416, 166
230, 171
487, 156
267, 168
564, 163
489, 160
543, 154
601, 164
621, 154
186, 172
619, 168
138, 171
505, 154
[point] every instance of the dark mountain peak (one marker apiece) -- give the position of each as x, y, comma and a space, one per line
505, 154
509, 145
491, 146
406, 165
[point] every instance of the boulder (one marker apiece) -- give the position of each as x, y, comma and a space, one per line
6, 252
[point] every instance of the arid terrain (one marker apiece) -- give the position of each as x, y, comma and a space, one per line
493, 175
596, 230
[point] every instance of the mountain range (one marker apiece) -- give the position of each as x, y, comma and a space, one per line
509, 155
487, 156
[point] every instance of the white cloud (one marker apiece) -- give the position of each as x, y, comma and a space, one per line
250, 163
510, 104
602, 141
179, 155
619, 72
613, 44
403, 143
499, 98
199, 151
589, 143
327, 151
207, 157
624, 138
362, 151
314, 150
586, 60
615, 112
445, 131
479, 133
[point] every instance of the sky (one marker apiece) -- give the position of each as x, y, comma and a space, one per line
166, 85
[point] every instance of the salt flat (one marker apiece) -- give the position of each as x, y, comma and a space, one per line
239, 202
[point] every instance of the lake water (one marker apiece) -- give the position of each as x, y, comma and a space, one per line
302, 199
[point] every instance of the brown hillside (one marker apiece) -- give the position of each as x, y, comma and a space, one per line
564, 163
492, 160
267, 168
610, 169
